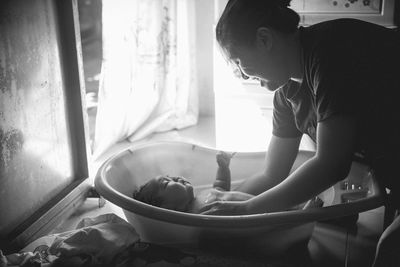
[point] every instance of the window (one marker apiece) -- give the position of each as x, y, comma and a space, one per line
243, 109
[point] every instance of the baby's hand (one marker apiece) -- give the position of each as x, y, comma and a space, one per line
224, 158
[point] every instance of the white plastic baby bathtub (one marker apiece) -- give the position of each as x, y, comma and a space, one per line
118, 177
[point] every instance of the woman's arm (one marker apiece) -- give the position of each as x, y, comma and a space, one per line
278, 162
331, 163
236, 196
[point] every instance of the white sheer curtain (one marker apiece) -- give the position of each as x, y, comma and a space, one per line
148, 73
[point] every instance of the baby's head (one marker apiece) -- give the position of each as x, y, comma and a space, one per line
164, 191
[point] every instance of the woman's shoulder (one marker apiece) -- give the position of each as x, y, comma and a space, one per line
345, 36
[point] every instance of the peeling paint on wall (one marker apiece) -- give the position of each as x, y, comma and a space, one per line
11, 143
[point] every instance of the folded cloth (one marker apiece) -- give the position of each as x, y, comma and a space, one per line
95, 241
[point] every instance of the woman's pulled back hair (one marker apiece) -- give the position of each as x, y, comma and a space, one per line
241, 19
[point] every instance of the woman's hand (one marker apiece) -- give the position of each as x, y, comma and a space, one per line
235, 196
218, 195
225, 208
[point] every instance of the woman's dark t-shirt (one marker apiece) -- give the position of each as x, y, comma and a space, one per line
351, 68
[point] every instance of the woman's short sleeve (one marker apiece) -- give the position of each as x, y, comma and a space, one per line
284, 124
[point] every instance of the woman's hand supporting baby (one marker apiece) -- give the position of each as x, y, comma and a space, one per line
225, 208
225, 202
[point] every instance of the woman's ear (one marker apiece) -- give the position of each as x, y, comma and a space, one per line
264, 38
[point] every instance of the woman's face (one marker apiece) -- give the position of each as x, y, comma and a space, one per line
262, 63
175, 193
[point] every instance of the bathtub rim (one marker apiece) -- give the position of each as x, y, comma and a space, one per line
217, 221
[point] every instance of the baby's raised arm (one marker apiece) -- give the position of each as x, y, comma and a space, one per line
223, 179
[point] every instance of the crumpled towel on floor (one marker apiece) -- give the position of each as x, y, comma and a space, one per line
95, 241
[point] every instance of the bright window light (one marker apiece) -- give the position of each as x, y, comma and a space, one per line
243, 110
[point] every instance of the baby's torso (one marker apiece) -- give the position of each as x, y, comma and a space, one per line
206, 197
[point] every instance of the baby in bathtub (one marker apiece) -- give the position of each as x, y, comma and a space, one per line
176, 193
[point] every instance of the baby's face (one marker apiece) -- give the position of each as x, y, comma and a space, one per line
175, 193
